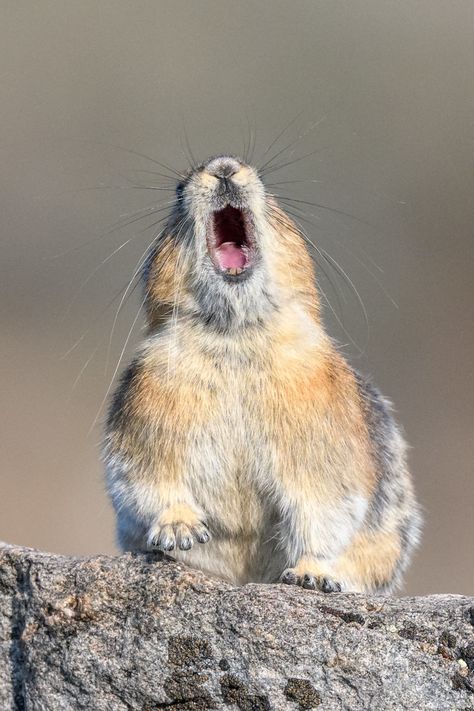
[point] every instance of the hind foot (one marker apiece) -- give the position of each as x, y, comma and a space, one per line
309, 574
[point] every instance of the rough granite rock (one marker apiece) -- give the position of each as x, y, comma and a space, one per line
140, 632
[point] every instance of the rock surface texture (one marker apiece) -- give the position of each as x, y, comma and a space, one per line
139, 632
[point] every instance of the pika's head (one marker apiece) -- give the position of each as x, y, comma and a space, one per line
229, 254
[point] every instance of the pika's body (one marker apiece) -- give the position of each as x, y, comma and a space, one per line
239, 438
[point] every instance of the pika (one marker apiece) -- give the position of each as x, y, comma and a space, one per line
239, 438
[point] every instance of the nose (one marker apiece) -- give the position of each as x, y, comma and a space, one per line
223, 167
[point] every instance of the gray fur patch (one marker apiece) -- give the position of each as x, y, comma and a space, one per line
393, 502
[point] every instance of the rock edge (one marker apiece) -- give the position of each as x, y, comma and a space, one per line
143, 632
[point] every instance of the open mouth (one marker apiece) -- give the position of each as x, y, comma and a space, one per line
230, 241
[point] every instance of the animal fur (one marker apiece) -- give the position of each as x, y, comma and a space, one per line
239, 438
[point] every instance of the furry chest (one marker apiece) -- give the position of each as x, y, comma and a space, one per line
226, 459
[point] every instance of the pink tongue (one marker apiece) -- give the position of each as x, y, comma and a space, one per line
230, 256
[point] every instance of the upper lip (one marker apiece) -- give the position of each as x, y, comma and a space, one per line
230, 240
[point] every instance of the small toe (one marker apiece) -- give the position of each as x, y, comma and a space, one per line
330, 586
288, 577
166, 539
183, 537
309, 582
202, 534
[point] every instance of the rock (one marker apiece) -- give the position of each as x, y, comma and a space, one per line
142, 632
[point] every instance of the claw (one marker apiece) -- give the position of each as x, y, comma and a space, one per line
309, 582
186, 543
289, 578
329, 586
166, 539
184, 537
202, 536
178, 535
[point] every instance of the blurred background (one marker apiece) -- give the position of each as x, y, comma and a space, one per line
366, 108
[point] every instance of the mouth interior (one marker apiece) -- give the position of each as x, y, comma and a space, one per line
231, 248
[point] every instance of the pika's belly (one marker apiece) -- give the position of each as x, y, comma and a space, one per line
243, 526
238, 559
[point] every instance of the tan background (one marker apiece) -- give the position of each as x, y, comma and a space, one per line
393, 83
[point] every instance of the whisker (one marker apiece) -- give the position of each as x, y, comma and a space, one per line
90, 188
139, 215
328, 303
323, 271
353, 255
104, 399
83, 369
136, 272
117, 294
184, 153
254, 142
325, 207
134, 185
171, 184
274, 169
312, 126
337, 267
138, 267
135, 153
119, 225
285, 129
91, 275
304, 216
193, 162
153, 187
340, 269
247, 140
93, 323
287, 182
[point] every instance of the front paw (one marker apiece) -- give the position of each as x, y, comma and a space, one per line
179, 527
310, 580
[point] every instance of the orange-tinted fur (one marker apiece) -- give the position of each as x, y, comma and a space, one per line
256, 434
